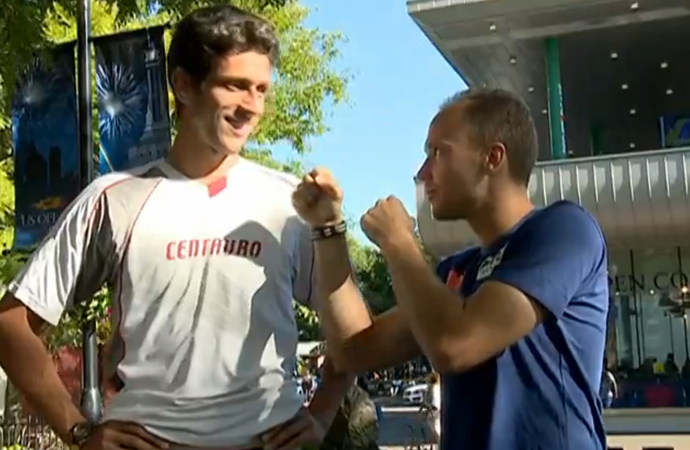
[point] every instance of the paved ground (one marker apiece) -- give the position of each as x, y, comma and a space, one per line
401, 425
656, 442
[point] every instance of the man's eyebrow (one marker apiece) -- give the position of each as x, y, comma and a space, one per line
232, 79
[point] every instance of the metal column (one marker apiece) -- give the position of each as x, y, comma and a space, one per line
91, 402
555, 95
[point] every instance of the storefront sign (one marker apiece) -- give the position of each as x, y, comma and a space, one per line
662, 281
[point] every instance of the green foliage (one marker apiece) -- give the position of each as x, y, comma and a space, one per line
9, 264
6, 206
373, 279
307, 323
69, 332
14, 447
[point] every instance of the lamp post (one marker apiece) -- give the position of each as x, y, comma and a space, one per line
684, 291
91, 403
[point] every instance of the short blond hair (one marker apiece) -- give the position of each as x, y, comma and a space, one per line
497, 115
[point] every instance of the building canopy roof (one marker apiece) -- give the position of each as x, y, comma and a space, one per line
623, 63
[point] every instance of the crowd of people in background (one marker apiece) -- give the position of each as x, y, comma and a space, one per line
621, 386
387, 383
652, 384
390, 382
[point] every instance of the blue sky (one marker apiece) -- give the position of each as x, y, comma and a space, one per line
375, 145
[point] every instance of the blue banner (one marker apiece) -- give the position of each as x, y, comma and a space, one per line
45, 141
133, 114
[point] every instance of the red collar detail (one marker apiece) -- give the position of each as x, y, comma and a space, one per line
217, 187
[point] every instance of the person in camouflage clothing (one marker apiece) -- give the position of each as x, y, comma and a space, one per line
356, 425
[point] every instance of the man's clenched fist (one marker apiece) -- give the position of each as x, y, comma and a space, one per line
388, 222
318, 199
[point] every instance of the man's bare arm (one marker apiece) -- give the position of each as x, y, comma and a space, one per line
456, 334
388, 342
329, 393
31, 369
356, 342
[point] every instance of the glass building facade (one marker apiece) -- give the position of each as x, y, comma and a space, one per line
648, 349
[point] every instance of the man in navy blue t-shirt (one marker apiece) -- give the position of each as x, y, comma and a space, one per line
517, 325
542, 391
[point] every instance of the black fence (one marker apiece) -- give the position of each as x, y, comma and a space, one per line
29, 434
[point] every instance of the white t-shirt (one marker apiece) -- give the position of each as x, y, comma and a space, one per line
203, 280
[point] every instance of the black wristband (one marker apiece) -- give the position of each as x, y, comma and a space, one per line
328, 231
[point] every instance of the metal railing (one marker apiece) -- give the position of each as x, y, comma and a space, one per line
613, 156
29, 433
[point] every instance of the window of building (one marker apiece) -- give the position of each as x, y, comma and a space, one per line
648, 346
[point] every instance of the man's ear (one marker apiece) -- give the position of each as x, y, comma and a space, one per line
182, 86
496, 156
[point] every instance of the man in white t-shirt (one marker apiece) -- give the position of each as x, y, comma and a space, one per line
204, 253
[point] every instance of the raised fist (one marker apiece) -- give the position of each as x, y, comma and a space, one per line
388, 222
318, 199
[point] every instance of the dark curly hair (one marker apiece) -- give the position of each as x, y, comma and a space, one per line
215, 31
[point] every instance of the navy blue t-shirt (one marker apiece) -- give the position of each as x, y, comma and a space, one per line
542, 392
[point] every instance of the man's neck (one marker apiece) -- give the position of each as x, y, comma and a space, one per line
196, 160
499, 217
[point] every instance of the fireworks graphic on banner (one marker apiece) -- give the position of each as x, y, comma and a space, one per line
132, 94
123, 103
45, 142
33, 96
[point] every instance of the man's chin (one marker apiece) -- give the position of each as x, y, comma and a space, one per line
232, 146
441, 215
446, 218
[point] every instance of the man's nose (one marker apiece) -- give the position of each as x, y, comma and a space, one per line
251, 102
423, 172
